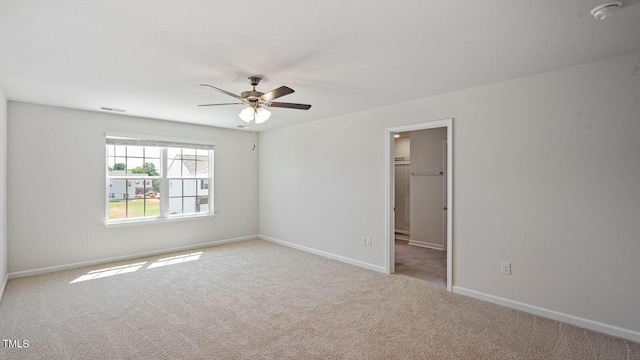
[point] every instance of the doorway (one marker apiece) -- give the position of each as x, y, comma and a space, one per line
427, 205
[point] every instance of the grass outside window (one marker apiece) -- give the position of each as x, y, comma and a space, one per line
137, 208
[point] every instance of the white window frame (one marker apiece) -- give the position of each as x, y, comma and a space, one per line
164, 143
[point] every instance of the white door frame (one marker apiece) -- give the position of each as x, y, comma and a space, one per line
390, 191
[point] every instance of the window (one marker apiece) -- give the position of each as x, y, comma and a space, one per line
156, 179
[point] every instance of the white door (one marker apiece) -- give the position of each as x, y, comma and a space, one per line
428, 188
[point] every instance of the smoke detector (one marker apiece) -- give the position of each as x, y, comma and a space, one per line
604, 10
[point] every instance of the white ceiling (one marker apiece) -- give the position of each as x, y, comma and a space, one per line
149, 56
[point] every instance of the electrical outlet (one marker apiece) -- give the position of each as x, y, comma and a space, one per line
363, 241
505, 268
89, 239
368, 241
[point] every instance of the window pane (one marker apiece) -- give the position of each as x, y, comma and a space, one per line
135, 151
152, 189
203, 186
111, 161
134, 166
189, 187
189, 205
203, 204
152, 207
175, 206
131, 189
202, 169
188, 166
150, 194
111, 150
152, 152
135, 208
202, 157
191, 152
152, 167
120, 165
174, 168
202, 152
118, 188
121, 150
174, 153
134, 202
175, 187
117, 203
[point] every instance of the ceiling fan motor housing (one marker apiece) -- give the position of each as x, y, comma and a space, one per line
251, 95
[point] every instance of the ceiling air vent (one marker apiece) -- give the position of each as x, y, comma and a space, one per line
106, 108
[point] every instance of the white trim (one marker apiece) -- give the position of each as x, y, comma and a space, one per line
554, 315
159, 138
50, 269
340, 258
4, 286
157, 219
389, 191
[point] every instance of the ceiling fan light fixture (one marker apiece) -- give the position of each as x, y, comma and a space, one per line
247, 114
262, 115
603, 10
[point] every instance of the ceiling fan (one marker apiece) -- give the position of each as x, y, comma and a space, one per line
255, 100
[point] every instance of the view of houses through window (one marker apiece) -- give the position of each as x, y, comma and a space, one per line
188, 173
156, 181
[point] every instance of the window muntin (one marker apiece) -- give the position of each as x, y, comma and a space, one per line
138, 170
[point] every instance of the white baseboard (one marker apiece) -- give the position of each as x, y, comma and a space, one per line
426, 245
3, 286
340, 258
402, 237
50, 269
554, 315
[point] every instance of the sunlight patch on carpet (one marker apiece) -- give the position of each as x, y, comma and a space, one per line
116, 270
176, 260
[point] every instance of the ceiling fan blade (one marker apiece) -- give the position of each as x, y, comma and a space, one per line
276, 93
239, 103
289, 105
223, 91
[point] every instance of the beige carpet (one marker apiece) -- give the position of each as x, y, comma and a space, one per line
257, 300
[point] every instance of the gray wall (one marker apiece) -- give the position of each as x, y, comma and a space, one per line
56, 177
3, 191
546, 176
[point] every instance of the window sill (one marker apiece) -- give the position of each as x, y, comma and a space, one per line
158, 220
